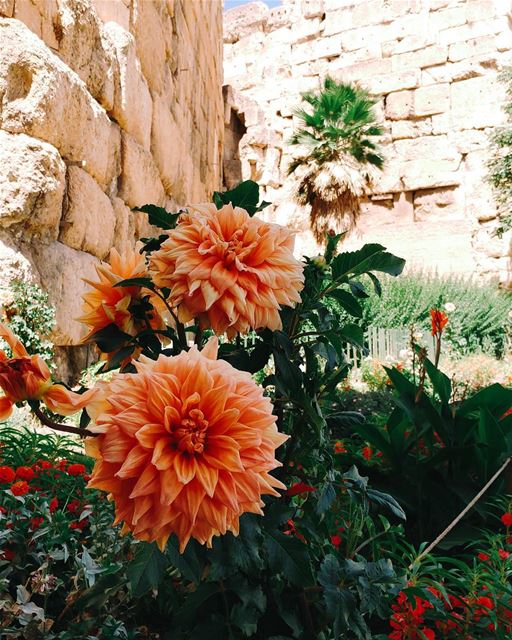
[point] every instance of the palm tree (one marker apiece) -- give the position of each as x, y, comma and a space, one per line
338, 157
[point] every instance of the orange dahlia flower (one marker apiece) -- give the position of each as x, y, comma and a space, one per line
108, 304
24, 377
231, 271
184, 446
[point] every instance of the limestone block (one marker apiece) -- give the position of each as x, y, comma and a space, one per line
62, 270
467, 98
411, 129
422, 39
133, 106
438, 204
32, 181
88, 220
427, 148
140, 180
399, 105
425, 174
481, 10
124, 233
81, 47
43, 98
470, 48
447, 18
109, 11
473, 30
6, 8
431, 99
277, 17
244, 19
28, 13
360, 38
167, 144
338, 21
427, 57
312, 8
16, 264
469, 140
367, 69
395, 82
150, 21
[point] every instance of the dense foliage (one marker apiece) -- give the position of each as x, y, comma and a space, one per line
500, 165
479, 313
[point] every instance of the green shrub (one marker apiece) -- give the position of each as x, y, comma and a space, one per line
31, 317
479, 322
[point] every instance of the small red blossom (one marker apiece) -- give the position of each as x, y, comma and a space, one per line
7, 474
20, 488
367, 453
54, 503
485, 602
483, 556
339, 447
73, 506
299, 488
36, 522
336, 541
7, 554
439, 321
506, 518
3, 510
44, 464
79, 524
25, 473
61, 464
76, 469
504, 555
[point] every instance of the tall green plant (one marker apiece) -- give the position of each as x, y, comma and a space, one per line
500, 164
338, 150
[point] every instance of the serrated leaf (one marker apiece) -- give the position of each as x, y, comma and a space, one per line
158, 216
290, 557
110, 338
371, 257
244, 195
147, 569
136, 282
347, 301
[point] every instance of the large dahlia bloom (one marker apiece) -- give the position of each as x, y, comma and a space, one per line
184, 446
231, 271
24, 377
107, 304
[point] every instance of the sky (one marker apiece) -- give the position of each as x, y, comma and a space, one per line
229, 4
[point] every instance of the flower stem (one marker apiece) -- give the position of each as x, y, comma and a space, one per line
57, 426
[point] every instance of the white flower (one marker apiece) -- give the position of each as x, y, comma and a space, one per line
510, 314
449, 307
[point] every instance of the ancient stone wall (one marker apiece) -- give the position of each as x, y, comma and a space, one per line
104, 105
433, 65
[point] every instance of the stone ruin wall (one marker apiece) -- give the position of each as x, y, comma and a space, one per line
104, 105
433, 65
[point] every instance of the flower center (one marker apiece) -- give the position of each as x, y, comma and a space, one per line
190, 434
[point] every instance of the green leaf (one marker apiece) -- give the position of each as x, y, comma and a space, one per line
290, 557
136, 282
385, 500
495, 398
372, 257
332, 245
187, 563
147, 569
110, 338
195, 601
159, 217
347, 301
326, 497
376, 283
244, 195
440, 381
354, 334
329, 574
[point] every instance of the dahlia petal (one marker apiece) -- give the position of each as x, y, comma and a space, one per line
222, 453
211, 348
207, 476
64, 402
136, 458
185, 467
170, 486
147, 483
163, 454
16, 346
149, 434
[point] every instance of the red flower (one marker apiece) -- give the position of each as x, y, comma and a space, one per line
506, 518
7, 474
53, 505
483, 556
428, 633
25, 473
439, 321
73, 506
76, 469
36, 522
299, 488
336, 541
367, 453
44, 464
339, 447
486, 602
3, 510
7, 554
79, 524
504, 555
20, 488
61, 465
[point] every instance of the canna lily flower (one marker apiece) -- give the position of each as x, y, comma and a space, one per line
107, 304
183, 446
229, 270
439, 321
24, 377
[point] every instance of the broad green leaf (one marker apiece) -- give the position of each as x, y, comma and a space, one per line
110, 338
136, 282
372, 257
347, 301
330, 574
354, 334
440, 381
385, 500
496, 398
147, 569
196, 600
290, 557
244, 195
187, 563
159, 217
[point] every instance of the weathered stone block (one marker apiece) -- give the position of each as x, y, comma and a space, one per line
124, 232
411, 129
244, 19
109, 11
28, 13
166, 138
6, 8
140, 181
438, 204
396, 82
447, 18
88, 221
399, 105
132, 106
149, 24
427, 174
470, 48
431, 99
42, 97
421, 58
32, 180
467, 98
16, 265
